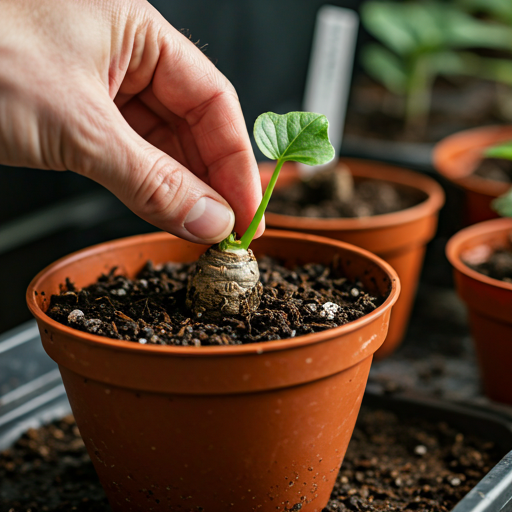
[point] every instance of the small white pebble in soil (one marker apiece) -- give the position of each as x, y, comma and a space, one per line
143, 283
354, 292
93, 325
293, 333
143, 341
311, 307
329, 310
455, 482
420, 449
75, 316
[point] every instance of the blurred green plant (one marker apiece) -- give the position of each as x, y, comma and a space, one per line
503, 204
424, 39
500, 10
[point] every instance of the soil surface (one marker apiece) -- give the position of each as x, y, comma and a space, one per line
498, 265
391, 464
496, 169
398, 464
325, 196
151, 308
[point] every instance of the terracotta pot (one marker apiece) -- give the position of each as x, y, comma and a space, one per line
399, 238
262, 426
456, 157
489, 303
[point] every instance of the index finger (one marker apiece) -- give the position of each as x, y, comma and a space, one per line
189, 85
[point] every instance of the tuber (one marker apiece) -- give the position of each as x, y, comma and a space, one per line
226, 280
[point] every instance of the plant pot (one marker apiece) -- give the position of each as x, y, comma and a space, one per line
456, 157
399, 238
489, 303
248, 427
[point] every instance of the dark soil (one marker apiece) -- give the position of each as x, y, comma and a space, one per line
318, 198
498, 265
396, 464
496, 169
151, 308
48, 469
391, 464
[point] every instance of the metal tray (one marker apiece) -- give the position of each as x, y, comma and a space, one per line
32, 393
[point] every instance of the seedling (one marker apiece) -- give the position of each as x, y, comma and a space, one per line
226, 281
503, 204
423, 40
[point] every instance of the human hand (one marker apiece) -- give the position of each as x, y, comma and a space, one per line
110, 90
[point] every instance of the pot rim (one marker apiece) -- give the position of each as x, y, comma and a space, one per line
467, 140
398, 175
453, 248
208, 351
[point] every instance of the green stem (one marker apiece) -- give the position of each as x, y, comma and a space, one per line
253, 226
418, 96
248, 236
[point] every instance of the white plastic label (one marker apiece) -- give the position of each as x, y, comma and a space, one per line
330, 69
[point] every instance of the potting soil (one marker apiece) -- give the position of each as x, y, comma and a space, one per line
498, 265
392, 464
151, 308
318, 199
496, 169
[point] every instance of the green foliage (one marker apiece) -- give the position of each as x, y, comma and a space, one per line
424, 39
296, 136
503, 204
503, 150
500, 10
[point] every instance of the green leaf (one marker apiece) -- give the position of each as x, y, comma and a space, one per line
452, 63
501, 10
388, 22
385, 67
503, 204
500, 151
464, 31
499, 70
296, 136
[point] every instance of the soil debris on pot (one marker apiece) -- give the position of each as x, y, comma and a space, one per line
392, 464
334, 193
150, 309
496, 169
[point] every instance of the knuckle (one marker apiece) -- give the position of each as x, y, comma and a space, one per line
163, 189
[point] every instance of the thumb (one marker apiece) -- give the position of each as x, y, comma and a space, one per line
153, 185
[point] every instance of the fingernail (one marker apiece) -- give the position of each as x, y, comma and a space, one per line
209, 220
